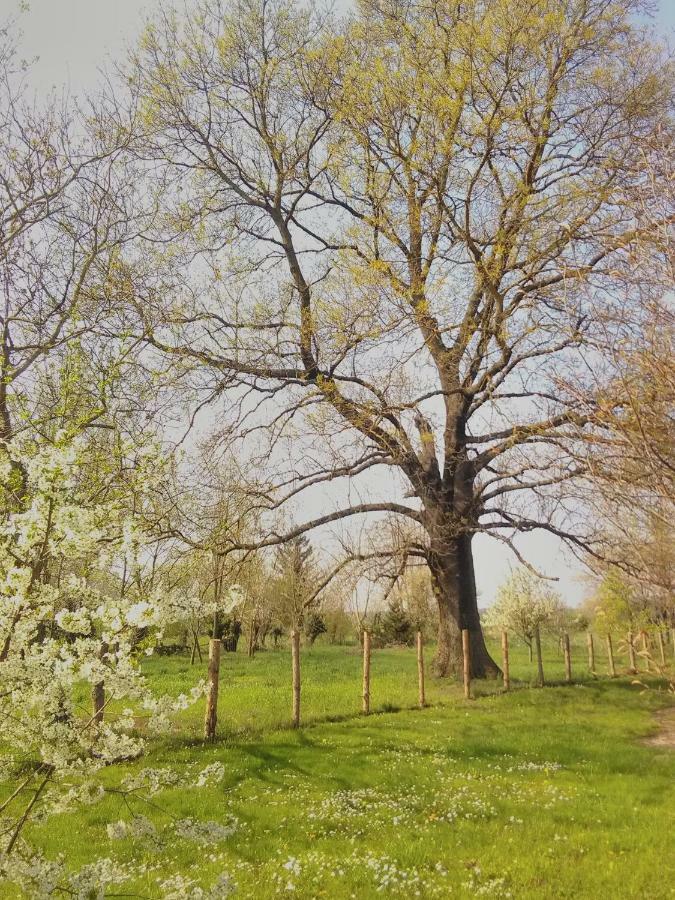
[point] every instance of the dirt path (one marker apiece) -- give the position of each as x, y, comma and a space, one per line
665, 736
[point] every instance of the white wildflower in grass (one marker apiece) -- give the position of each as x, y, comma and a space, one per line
539, 766
488, 886
292, 865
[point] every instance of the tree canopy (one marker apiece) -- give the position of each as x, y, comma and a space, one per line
406, 230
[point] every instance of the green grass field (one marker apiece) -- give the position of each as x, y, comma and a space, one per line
538, 793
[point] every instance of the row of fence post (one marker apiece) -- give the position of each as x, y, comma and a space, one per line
210, 719
365, 695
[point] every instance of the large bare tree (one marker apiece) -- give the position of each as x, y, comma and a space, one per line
400, 230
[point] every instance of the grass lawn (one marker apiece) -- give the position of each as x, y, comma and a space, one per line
537, 793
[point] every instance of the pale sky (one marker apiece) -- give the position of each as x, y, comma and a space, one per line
71, 39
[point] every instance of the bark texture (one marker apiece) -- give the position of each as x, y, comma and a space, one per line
455, 589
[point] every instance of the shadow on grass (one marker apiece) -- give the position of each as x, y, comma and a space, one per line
256, 743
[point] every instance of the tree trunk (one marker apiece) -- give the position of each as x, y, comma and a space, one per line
448, 659
568, 657
98, 692
610, 657
482, 664
295, 674
540, 662
97, 702
466, 654
253, 639
455, 589
591, 653
196, 649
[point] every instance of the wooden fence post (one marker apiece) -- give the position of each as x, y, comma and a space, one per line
610, 657
662, 649
466, 653
211, 717
568, 658
420, 670
505, 660
295, 663
591, 652
631, 654
646, 649
540, 662
366, 673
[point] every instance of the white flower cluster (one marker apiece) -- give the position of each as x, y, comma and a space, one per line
139, 828
41, 878
179, 887
180, 606
151, 780
211, 775
205, 832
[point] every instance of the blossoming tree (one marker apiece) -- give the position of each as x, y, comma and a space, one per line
524, 605
62, 627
